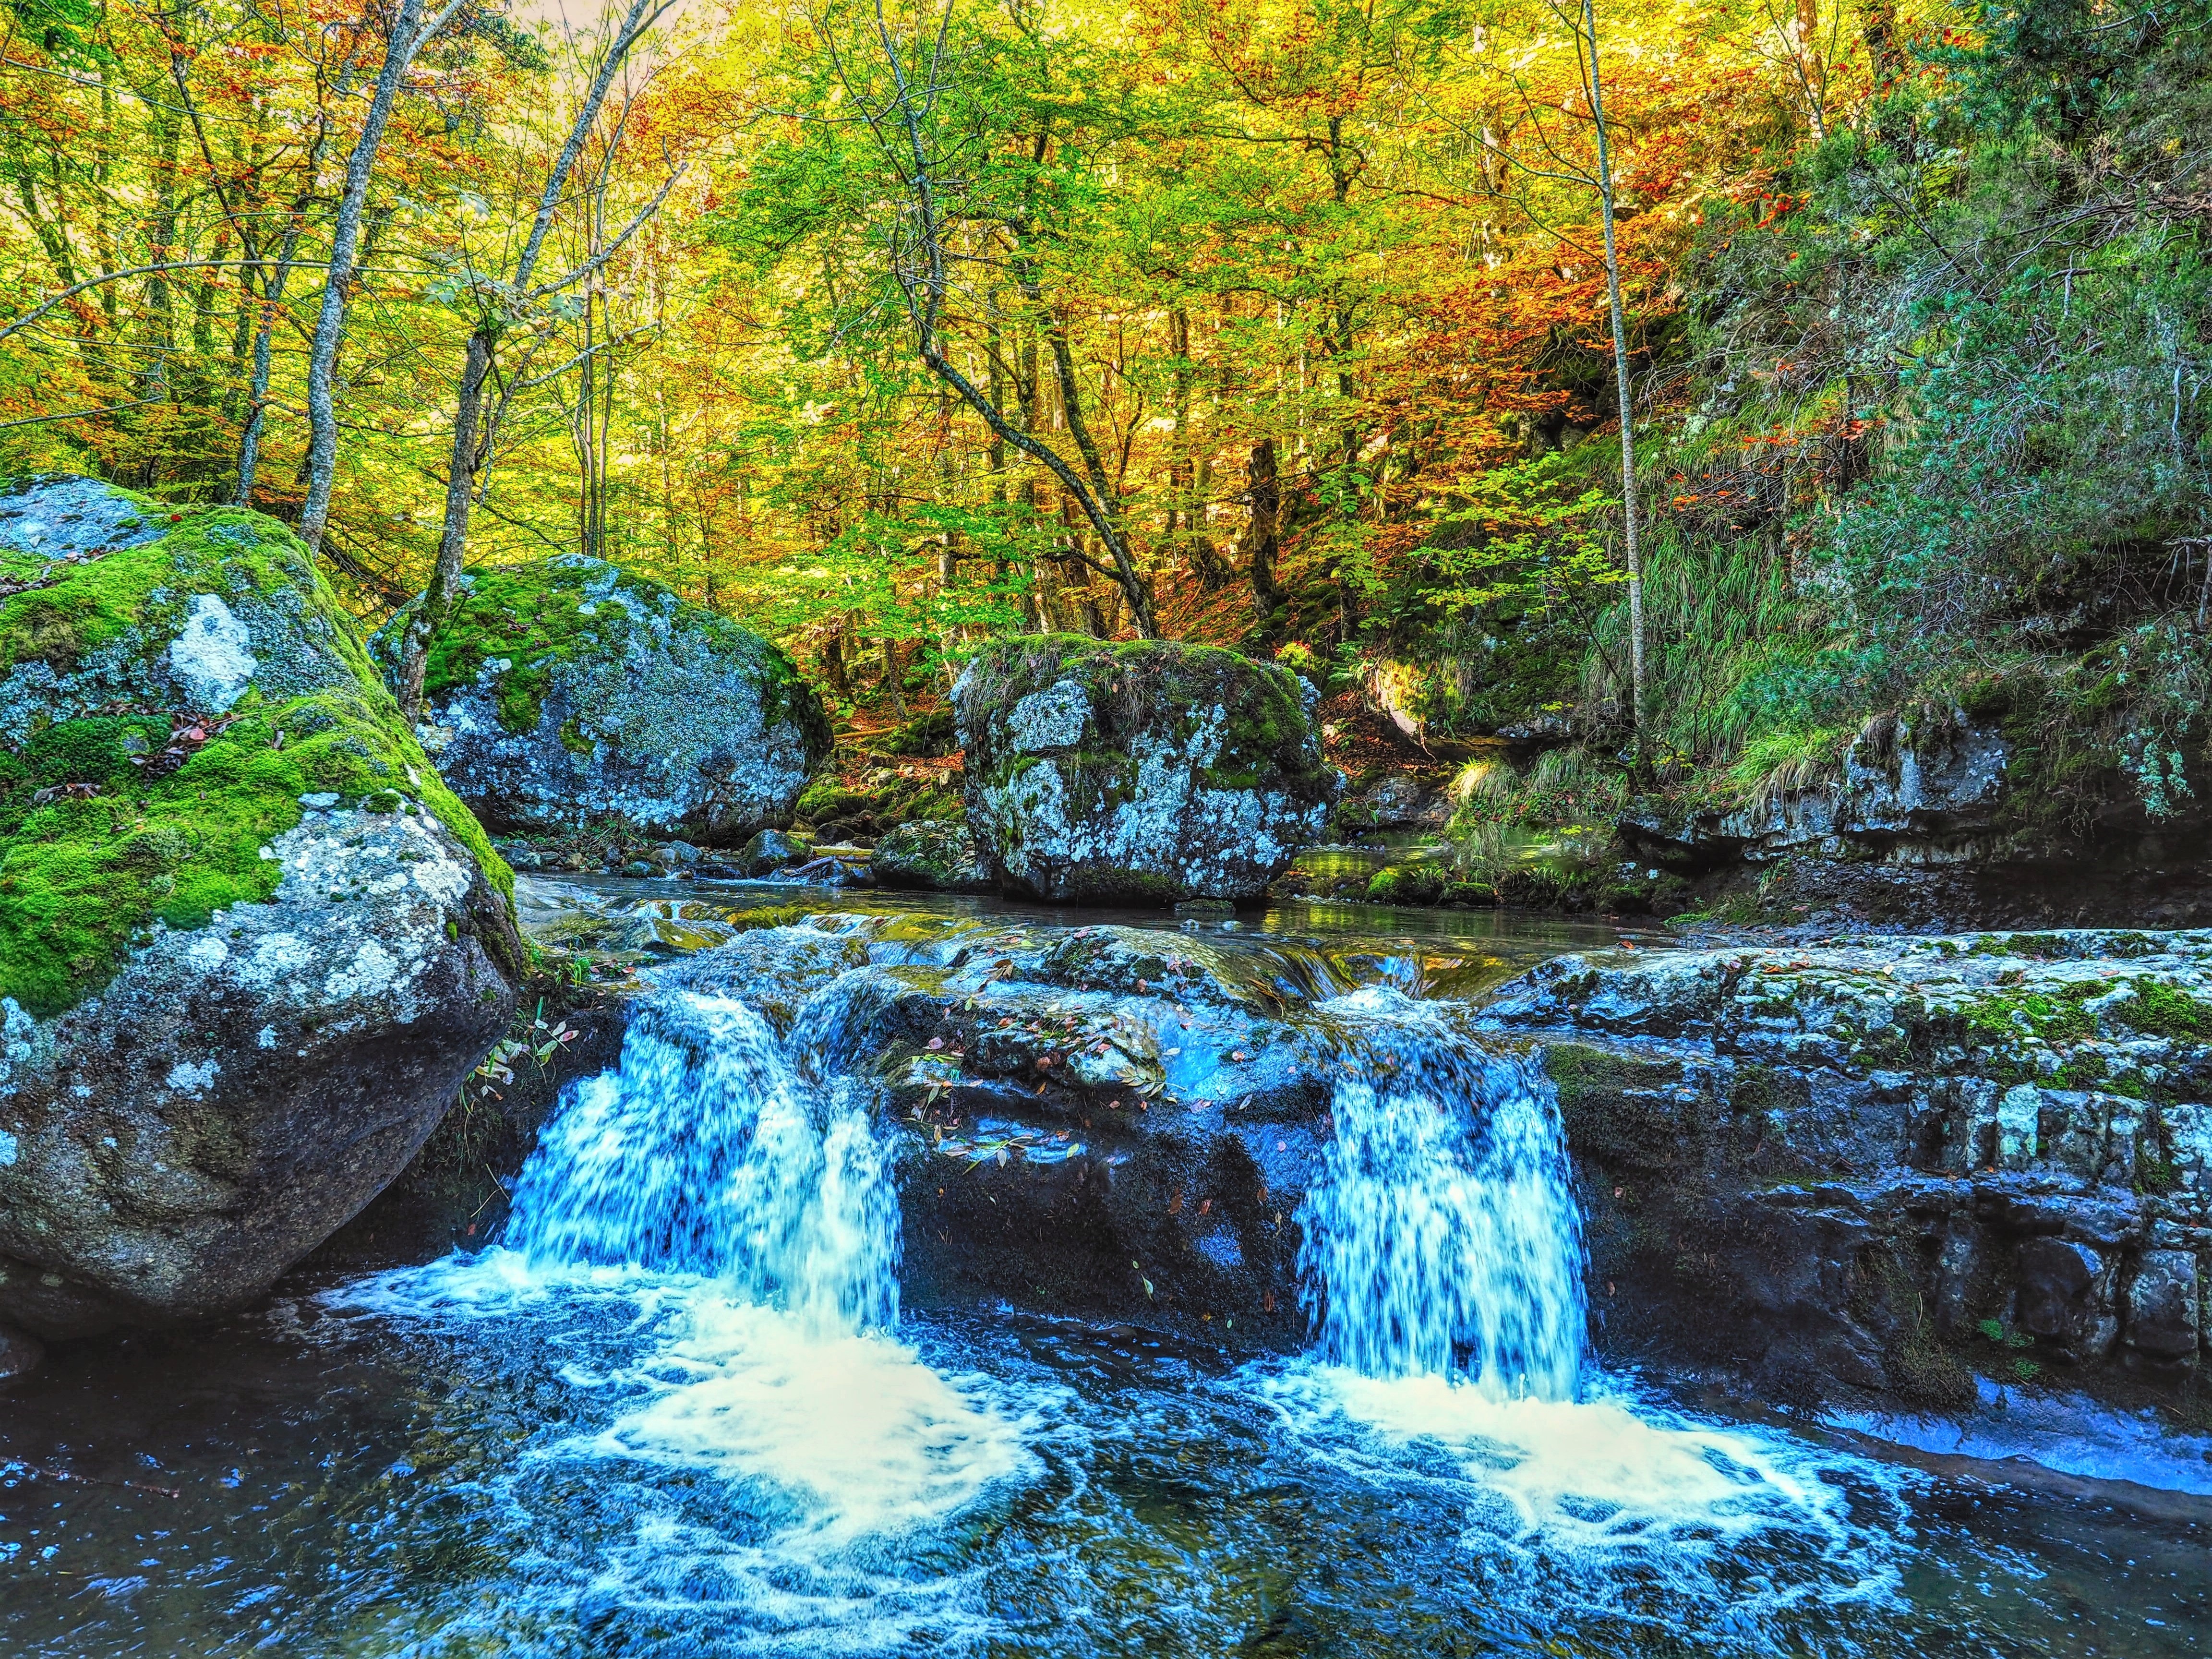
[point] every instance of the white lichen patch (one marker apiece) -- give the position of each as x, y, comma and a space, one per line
1051, 718
373, 969
211, 660
193, 1077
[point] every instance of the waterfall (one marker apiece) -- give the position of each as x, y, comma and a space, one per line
711, 1150
1442, 1238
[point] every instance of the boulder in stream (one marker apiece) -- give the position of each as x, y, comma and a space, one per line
1138, 773
933, 855
569, 694
250, 943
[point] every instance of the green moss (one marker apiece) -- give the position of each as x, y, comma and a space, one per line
123, 836
1112, 885
2056, 1017
2158, 1010
1408, 883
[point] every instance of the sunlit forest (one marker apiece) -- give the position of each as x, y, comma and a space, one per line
1493, 361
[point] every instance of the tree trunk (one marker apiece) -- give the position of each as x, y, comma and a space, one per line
1265, 492
409, 31
1635, 665
438, 599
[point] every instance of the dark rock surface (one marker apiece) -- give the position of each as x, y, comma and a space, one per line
1881, 1163
569, 694
20, 1353
1138, 773
1107, 1121
935, 854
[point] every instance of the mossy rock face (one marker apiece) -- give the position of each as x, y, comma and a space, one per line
1143, 773
933, 855
249, 943
569, 694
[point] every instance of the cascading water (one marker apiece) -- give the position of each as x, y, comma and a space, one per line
1444, 1239
707, 1151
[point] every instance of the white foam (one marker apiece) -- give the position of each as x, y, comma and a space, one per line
840, 1461
1615, 1502
855, 1434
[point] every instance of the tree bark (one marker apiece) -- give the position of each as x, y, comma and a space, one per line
1636, 656
1265, 492
409, 31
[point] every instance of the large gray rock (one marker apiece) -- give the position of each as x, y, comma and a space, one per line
1138, 773
249, 944
568, 694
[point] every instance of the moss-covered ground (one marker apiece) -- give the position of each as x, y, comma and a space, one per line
114, 819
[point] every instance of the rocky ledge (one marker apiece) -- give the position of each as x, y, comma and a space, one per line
1887, 1163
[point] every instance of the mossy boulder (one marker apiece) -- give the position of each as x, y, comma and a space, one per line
1138, 773
933, 855
249, 944
568, 694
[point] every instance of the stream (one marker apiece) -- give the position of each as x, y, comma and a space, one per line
677, 1409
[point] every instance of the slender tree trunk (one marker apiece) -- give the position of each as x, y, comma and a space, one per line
1260, 541
1636, 655
409, 31
257, 397
437, 602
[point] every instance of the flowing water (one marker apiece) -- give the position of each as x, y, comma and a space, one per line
677, 1411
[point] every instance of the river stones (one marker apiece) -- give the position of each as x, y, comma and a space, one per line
249, 944
1139, 773
568, 694
931, 854
1883, 1162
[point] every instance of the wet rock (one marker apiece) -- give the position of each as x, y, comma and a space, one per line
2013, 1126
936, 854
576, 695
1104, 1120
1138, 773
771, 849
253, 945
2064, 1296
20, 1353
2164, 1306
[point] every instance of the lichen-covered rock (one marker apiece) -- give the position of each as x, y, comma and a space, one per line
1888, 1159
934, 855
249, 943
568, 693
1138, 773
